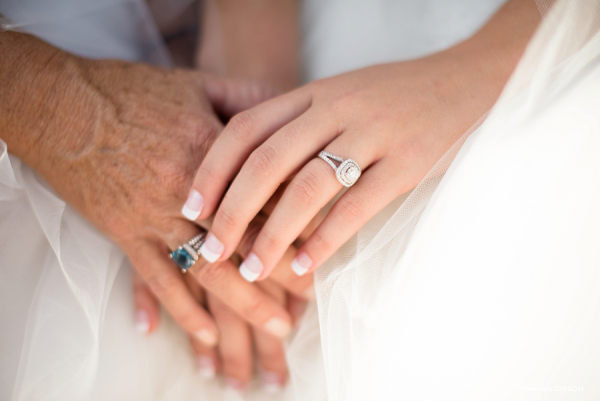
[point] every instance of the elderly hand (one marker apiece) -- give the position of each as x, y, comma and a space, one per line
121, 142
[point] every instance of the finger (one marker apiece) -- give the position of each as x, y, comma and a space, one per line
232, 96
223, 280
312, 188
207, 359
296, 306
269, 349
266, 168
282, 274
235, 344
373, 191
164, 279
240, 137
147, 315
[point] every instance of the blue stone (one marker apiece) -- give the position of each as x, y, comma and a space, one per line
182, 258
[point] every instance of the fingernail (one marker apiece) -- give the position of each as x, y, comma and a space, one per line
301, 263
278, 327
193, 206
251, 268
206, 367
142, 322
234, 384
212, 249
272, 382
207, 337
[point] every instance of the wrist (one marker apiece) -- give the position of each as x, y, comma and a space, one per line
492, 54
34, 84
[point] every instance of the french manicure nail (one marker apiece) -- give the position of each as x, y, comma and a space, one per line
272, 382
251, 268
301, 263
206, 367
278, 327
207, 337
142, 322
234, 384
212, 249
193, 206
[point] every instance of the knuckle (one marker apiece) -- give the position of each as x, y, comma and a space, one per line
350, 208
249, 238
208, 172
262, 161
226, 218
321, 243
270, 242
306, 188
253, 309
204, 132
344, 100
164, 286
213, 275
241, 126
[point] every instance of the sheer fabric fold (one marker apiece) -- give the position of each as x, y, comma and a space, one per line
484, 283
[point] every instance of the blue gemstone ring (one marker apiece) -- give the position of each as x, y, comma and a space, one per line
187, 254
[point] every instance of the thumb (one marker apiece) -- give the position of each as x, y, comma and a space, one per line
231, 96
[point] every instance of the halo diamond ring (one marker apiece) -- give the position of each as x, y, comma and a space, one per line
347, 173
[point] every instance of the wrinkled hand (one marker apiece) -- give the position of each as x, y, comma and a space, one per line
121, 143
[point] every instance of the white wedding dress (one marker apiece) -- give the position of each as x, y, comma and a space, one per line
484, 284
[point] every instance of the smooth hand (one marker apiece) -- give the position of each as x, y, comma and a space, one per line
395, 121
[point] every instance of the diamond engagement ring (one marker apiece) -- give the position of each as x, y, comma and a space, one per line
187, 254
347, 172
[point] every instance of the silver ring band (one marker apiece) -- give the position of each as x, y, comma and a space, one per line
347, 173
187, 254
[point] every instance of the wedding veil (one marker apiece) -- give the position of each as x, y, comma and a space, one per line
484, 283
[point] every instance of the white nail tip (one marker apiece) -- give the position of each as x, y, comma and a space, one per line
272, 388
207, 372
142, 327
248, 274
208, 255
189, 213
142, 322
298, 269
206, 368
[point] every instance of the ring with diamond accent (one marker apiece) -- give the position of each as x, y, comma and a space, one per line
347, 173
187, 254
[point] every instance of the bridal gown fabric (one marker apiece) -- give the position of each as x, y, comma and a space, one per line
483, 284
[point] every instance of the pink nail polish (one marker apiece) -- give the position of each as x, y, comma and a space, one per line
206, 367
193, 206
212, 249
234, 384
301, 263
272, 381
142, 322
251, 268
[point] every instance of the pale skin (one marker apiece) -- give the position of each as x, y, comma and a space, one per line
120, 142
395, 120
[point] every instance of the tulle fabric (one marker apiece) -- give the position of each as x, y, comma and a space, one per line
482, 284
